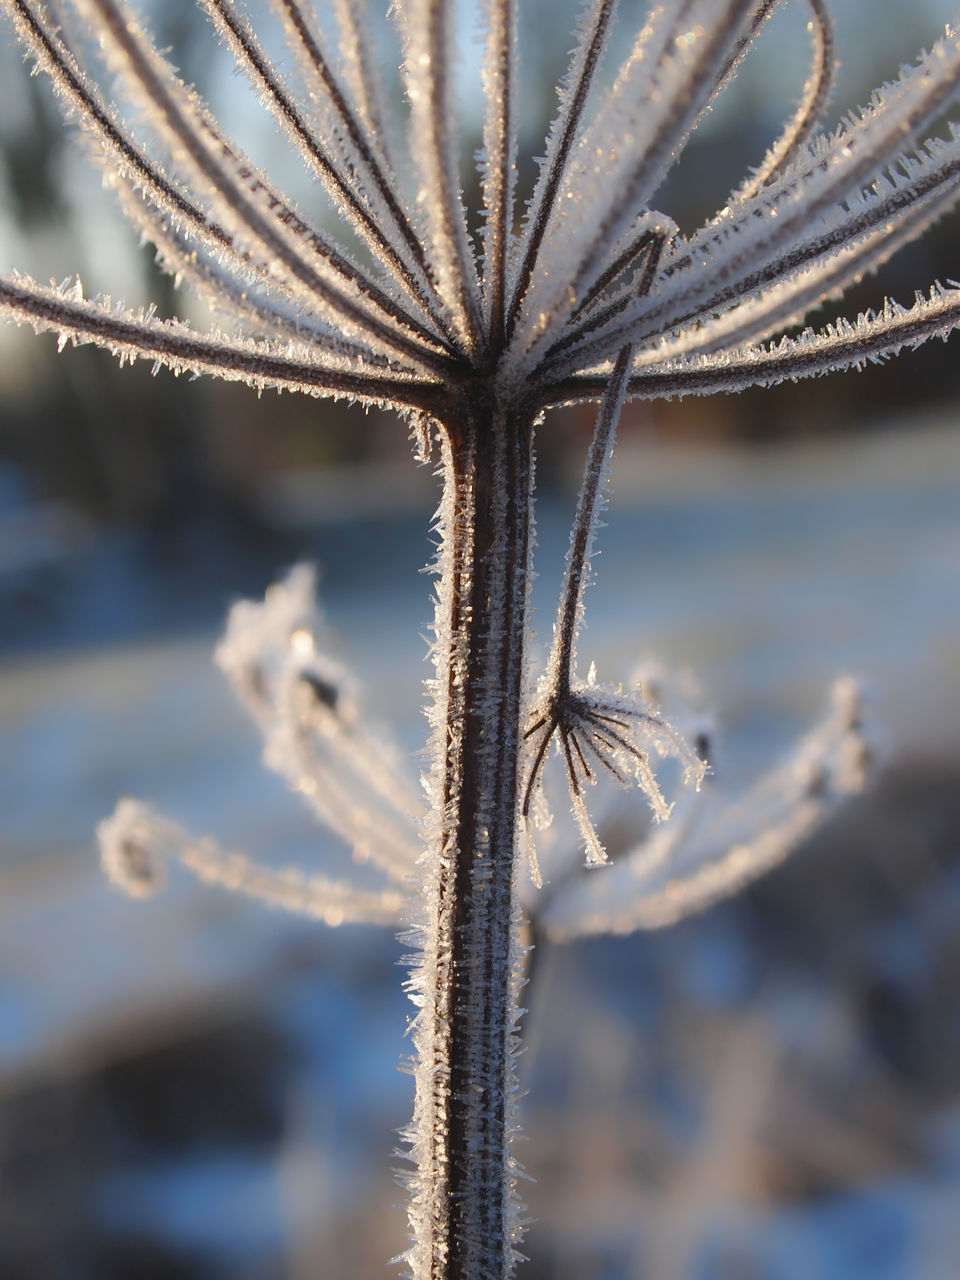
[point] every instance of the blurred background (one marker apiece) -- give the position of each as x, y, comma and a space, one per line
197, 1088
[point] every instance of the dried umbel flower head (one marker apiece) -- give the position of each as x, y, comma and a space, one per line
590, 293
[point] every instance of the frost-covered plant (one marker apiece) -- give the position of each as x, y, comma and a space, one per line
305, 706
587, 295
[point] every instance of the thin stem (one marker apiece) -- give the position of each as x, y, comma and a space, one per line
429, 76
645, 248
499, 163
857, 241
816, 95
248, 53
136, 843
322, 275
818, 265
179, 255
174, 345
69, 83
678, 61
733, 255
844, 345
358, 62
585, 521
556, 710
739, 51
650, 249
783, 303
303, 40
693, 80
190, 244
579, 81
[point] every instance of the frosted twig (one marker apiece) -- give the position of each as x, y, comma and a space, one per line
827, 272
366, 146
363, 80
246, 202
574, 93
872, 338
341, 186
590, 722
720, 262
690, 51
643, 255
306, 708
816, 95
499, 161
428, 69
716, 846
132, 336
136, 843
125, 158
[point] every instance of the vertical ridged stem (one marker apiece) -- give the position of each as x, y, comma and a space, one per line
463, 1212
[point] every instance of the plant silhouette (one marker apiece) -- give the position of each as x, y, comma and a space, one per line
588, 295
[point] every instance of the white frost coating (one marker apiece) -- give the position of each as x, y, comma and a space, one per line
136, 844
345, 95
361, 73
305, 706
574, 93
603, 729
768, 227
428, 71
871, 339
426, 933
664, 85
159, 203
131, 856
132, 335
776, 251
246, 300
713, 845
895, 211
816, 95
630, 275
336, 173
498, 168
242, 199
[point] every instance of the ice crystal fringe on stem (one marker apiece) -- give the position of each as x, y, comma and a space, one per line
464, 1214
591, 295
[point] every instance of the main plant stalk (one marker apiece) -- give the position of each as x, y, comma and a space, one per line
463, 1212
